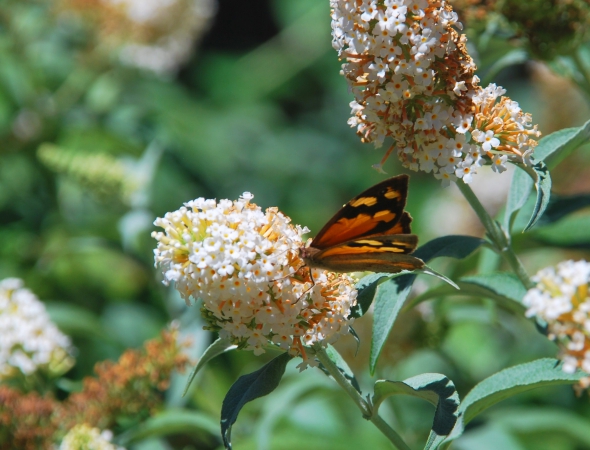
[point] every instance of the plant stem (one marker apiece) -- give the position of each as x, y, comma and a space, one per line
496, 235
583, 71
363, 405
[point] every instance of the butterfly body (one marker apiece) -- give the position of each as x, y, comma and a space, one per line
370, 233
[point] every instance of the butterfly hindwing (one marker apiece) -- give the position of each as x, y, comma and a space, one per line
378, 210
386, 253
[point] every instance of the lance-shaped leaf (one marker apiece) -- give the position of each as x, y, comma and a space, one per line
520, 190
247, 388
556, 146
172, 421
561, 206
509, 382
453, 246
389, 300
217, 348
505, 288
343, 367
432, 387
391, 295
569, 232
367, 287
532, 419
549, 152
540, 173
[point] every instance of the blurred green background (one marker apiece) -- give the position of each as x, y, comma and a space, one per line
93, 149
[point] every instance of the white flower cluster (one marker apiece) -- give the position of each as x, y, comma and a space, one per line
244, 264
155, 35
85, 437
176, 24
414, 82
562, 299
29, 341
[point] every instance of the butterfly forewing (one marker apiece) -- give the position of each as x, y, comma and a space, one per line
370, 233
375, 211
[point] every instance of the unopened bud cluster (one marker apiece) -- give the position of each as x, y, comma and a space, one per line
414, 84
244, 264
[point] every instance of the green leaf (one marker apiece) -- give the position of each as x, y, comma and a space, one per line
389, 299
454, 246
520, 189
390, 295
247, 388
505, 288
432, 387
366, 287
556, 146
569, 232
562, 205
337, 359
509, 382
498, 285
429, 271
514, 380
543, 420
540, 173
357, 339
171, 421
489, 436
217, 348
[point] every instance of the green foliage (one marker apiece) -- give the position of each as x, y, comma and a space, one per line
250, 387
390, 295
504, 288
432, 387
172, 421
509, 382
93, 151
217, 348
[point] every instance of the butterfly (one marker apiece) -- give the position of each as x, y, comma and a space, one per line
370, 233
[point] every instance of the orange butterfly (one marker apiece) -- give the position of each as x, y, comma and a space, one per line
370, 233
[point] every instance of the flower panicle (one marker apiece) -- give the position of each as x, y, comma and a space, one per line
83, 436
561, 297
415, 87
130, 387
156, 35
31, 343
244, 264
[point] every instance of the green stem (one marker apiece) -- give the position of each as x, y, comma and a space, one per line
363, 405
583, 71
496, 235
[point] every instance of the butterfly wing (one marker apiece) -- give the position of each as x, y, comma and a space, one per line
383, 253
378, 210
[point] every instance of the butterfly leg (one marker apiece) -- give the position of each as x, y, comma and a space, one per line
309, 288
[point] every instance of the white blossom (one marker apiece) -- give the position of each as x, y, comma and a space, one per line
415, 88
562, 299
244, 264
29, 340
85, 437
